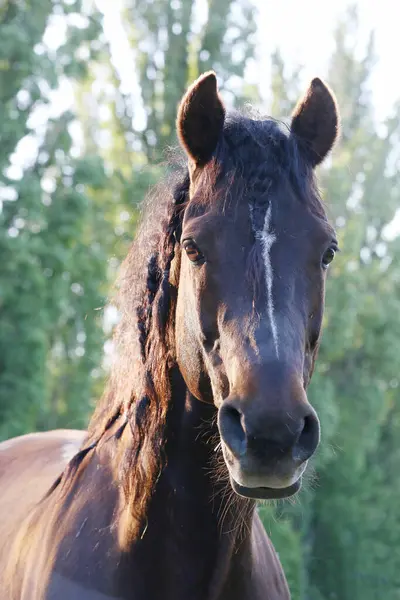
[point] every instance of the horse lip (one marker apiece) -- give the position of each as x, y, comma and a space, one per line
266, 493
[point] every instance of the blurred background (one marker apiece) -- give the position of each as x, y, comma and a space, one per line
88, 96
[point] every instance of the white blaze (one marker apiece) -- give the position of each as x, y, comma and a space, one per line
267, 238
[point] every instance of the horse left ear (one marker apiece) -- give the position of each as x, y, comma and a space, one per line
200, 119
315, 121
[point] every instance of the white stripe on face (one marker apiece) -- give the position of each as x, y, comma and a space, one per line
267, 238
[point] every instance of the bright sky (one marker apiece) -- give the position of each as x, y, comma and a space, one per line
303, 31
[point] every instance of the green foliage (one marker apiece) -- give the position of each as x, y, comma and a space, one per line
53, 262
173, 48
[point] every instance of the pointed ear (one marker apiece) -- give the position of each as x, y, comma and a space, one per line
200, 119
315, 121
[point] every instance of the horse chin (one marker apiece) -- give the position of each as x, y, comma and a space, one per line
266, 493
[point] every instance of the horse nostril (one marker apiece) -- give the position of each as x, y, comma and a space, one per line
231, 429
308, 439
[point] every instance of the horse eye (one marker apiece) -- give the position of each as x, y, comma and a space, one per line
328, 257
192, 252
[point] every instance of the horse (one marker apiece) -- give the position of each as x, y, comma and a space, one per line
205, 411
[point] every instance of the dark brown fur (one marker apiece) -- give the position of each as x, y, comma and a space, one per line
314, 119
139, 511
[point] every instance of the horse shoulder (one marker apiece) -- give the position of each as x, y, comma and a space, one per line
67, 547
29, 465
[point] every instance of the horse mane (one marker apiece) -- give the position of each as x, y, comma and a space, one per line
139, 387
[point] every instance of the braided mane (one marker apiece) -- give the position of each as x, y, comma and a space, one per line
139, 385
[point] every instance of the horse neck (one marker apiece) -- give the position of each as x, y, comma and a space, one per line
195, 528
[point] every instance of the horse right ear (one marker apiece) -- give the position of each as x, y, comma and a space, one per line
200, 119
315, 121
